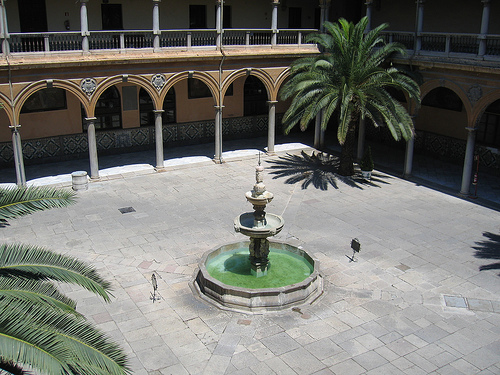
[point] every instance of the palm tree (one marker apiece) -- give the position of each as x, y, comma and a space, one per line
40, 328
349, 79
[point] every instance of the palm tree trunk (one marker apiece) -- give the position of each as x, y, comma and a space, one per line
346, 167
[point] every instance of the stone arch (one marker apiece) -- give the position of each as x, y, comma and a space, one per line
280, 81
136, 80
40, 85
7, 108
264, 77
211, 83
482, 104
428, 86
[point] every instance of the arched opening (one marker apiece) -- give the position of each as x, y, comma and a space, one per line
442, 113
146, 108
488, 132
254, 97
49, 112
108, 111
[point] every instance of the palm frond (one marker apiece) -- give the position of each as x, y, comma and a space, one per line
35, 292
63, 338
40, 263
16, 202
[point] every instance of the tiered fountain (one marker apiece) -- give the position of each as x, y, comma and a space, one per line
258, 275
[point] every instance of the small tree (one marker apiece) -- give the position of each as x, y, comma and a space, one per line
349, 79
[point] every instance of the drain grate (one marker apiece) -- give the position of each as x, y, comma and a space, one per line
126, 210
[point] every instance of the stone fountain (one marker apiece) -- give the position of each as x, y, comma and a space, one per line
259, 225
258, 275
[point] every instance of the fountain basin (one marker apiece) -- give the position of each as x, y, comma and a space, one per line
257, 300
272, 225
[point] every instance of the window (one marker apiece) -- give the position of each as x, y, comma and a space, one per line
108, 110
443, 98
226, 17
32, 16
146, 108
197, 89
488, 133
111, 16
197, 17
255, 97
52, 99
294, 18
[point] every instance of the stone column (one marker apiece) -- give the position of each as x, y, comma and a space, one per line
485, 21
94, 165
468, 161
18, 156
410, 145
361, 138
156, 24
271, 128
369, 4
274, 22
4, 30
84, 25
218, 135
419, 25
218, 22
322, 7
159, 137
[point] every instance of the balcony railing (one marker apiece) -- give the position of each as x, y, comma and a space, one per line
52, 42
426, 44
447, 44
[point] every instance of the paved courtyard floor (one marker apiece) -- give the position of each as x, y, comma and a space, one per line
423, 296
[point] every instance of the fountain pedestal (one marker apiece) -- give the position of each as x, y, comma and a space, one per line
259, 252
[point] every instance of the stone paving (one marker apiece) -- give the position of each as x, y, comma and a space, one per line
414, 302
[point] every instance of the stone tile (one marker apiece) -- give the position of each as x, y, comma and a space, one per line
302, 362
479, 304
431, 333
349, 367
370, 360
280, 343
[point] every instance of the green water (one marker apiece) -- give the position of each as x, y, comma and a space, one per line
233, 268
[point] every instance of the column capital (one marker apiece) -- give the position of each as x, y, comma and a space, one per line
158, 111
90, 119
486, 2
219, 2
420, 2
369, 3
270, 102
469, 129
275, 2
15, 127
84, 1
219, 107
156, 1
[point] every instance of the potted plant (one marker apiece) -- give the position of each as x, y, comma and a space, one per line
366, 164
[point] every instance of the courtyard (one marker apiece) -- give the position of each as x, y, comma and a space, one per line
423, 295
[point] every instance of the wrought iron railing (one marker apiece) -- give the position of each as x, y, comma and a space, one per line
140, 39
437, 44
447, 44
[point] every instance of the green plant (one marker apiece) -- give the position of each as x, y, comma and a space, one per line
350, 80
366, 163
39, 325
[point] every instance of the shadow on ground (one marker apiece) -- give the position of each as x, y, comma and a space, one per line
320, 170
489, 249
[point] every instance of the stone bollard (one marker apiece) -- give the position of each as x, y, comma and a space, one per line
79, 180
